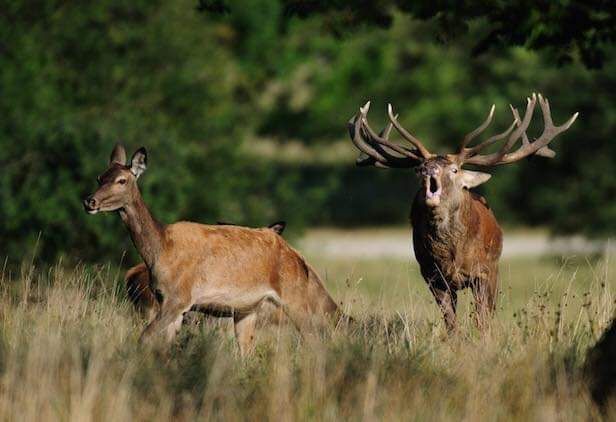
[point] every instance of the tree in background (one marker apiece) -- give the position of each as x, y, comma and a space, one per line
444, 89
566, 30
199, 89
76, 78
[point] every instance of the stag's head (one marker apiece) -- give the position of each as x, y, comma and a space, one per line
443, 177
117, 186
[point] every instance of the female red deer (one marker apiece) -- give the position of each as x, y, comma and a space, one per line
139, 289
456, 238
223, 270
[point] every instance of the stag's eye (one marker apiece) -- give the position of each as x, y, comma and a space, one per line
454, 170
121, 181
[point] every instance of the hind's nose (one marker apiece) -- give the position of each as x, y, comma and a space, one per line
90, 203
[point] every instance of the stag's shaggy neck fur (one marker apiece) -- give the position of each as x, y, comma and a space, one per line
145, 232
443, 223
441, 233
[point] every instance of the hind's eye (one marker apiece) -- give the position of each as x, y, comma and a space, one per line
454, 170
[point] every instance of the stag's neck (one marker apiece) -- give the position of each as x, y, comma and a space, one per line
443, 223
145, 232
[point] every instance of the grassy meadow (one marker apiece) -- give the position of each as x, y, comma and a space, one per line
68, 350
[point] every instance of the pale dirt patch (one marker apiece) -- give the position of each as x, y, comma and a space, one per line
395, 242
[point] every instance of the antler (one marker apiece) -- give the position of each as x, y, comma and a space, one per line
377, 149
492, 139
472, 135
527, 148
464, 153
423, 151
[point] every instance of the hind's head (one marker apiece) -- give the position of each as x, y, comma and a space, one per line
117, 185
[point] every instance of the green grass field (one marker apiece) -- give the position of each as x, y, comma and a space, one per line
68, 351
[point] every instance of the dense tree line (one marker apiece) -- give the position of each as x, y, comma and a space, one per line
565, 30
195, 87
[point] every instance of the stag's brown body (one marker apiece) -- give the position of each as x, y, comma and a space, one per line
222, 270
456, 238
458, 248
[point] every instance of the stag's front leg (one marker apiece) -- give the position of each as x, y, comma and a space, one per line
447, 300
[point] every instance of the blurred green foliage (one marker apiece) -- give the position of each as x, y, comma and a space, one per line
75, 78
195, 87
566, 30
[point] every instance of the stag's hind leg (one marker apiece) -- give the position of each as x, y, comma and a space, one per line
484, 292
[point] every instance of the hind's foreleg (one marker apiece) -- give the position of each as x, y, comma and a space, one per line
168, 320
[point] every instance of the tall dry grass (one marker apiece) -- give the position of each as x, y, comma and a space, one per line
68, 351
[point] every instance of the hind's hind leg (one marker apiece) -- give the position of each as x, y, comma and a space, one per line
297, 316
244, 326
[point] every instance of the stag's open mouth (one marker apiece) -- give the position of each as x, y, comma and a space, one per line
433, 189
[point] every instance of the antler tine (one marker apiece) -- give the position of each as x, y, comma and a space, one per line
543, 152
468, 156
354, 126
386, 130
492, 159
406, 135
384, 134
469, 152
472, 135
547, 118
521, 129
550, 131
374, 154
383, 140
538, 147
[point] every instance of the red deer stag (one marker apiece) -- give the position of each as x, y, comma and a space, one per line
456, 238
139, 289
223, 270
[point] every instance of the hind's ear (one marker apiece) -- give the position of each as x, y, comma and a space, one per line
139, 162
118, 155
278, 226
470, 178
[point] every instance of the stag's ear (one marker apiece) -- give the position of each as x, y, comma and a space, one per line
470, 179
278, 226
139, 162
118, 155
